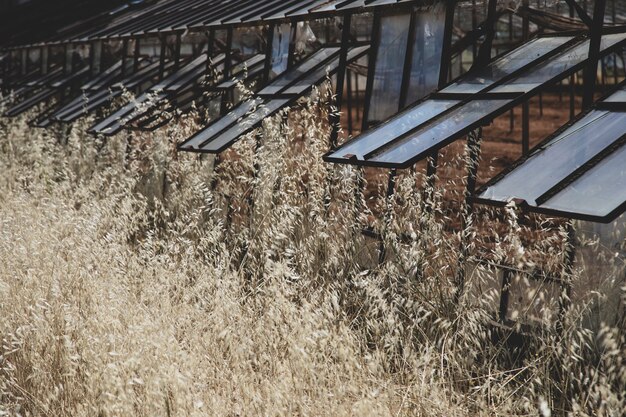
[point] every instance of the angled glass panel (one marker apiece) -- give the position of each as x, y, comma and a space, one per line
391, 129
105, 77
617, 97
555, 67
220, 124
251, 121
288, 78
506, 65
315, 77
547, 166
389, 66
433, 135
312, 78
598, 192
113, 123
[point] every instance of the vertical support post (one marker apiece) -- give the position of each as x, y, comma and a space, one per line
408, 62
349, 99
210, 49
590, 73
67, 65
474, 25
95, 57
505, 292
446, 57
484, 54
163, 50
473, 144
44, 59
24, 60
335, 118
525, 105
566, 284
572, 96
291, 57
268, 53
391, 186
124, 56
227, 67
137, 53
371, 69
177, 50
525, 128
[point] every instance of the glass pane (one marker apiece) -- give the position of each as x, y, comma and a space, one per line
313, 78
280, 49
552, 68
427, 47
617, 97
389, 67
559, 158
598, 192
220, 124
245, 125
506, 65
248, 41
432, 135
361, 26
283, 81
393, 128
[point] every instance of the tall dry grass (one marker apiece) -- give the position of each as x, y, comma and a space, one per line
137, 281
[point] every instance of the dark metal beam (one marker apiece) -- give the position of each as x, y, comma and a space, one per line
484, 54
590, 72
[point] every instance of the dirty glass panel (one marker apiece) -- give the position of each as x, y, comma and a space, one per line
393, 128
245, 125
432, 135
320, 73
310, 36
280, 49
361, 26
506, 65
221, 124
427, 47
151, 46
286, 79
598, 192
248, 41
559, 157
34, 58
389, 67
555, 67
617, 97
319, 31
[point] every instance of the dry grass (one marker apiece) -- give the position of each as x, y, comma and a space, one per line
135, 283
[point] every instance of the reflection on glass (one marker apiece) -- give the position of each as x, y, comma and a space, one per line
506, 65
389, 64
560, 157
617, 97
556, 66
289, 77
432, 135
280, 49
247, 41
361, 26
598, 192
427, 47
393, 128
249, 122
